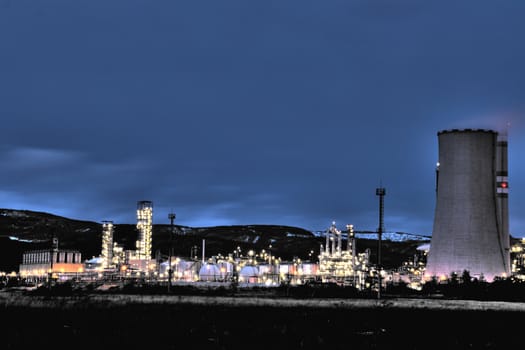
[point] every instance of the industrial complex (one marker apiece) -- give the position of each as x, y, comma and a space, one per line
470, 233
338, 262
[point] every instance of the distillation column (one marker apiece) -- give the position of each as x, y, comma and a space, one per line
145, 229
107, 244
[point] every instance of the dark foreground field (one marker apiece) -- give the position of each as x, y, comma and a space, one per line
200, 322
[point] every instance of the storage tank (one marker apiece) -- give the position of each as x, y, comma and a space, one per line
470, 229
209, 272
249, 274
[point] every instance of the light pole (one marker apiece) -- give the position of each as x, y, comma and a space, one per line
171, 216
381, 193
52, 254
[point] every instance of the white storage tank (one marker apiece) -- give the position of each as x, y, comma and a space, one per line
249, 274
209, 272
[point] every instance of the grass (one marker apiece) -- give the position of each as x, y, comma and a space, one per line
109, 321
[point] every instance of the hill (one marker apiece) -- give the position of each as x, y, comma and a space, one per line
22, 230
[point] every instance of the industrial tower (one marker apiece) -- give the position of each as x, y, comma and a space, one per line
471, 224
107, 244
145, 229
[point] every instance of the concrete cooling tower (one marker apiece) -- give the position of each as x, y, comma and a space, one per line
471, 226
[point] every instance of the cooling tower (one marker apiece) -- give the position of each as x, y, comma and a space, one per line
471, 215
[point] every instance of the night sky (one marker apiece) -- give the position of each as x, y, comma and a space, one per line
252, 112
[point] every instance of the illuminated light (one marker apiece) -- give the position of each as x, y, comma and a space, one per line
504, 185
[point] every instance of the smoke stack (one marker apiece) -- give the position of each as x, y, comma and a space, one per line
203, 249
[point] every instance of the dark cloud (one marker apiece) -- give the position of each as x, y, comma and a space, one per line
230, 112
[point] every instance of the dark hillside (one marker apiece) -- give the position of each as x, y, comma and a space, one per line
22, 230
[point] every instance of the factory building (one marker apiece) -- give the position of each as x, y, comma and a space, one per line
342, 265
471, 225
42, 263
114, 257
